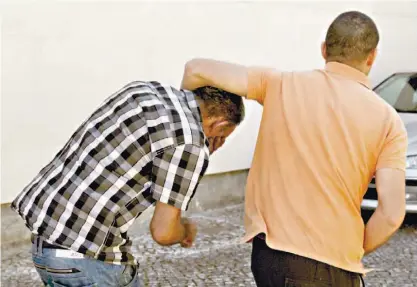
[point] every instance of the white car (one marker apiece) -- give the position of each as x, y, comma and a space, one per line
400, 91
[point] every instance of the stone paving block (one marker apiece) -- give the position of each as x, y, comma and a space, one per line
217, 259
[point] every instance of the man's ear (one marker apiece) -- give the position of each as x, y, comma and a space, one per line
371, 58
219, 125
323, 51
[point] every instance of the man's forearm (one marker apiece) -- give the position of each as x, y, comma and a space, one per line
379, 229
230, 77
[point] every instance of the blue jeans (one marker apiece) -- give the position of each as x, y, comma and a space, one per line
59, 268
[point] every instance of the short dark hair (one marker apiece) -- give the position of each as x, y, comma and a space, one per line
221, 103
351, 37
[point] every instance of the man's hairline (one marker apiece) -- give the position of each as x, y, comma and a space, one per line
197, 99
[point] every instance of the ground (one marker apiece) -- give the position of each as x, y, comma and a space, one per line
219, 260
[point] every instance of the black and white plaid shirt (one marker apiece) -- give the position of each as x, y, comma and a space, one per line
145, 143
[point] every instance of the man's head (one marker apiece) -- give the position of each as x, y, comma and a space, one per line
352, 39
221, 112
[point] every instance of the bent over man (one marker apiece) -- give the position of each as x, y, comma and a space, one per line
146, 144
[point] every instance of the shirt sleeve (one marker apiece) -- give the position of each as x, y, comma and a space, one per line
258, 81
394, 150
176, 174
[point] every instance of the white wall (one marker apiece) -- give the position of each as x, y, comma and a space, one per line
61, 59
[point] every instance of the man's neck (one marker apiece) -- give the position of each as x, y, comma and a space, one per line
201, 106
357, 66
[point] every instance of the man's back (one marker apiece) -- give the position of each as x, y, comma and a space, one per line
319, 145
323, 136
114, 167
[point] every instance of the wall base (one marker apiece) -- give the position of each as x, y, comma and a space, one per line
214, 191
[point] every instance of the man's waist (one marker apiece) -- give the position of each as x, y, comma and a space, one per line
63, 251
45, 244
337, 254
261, 236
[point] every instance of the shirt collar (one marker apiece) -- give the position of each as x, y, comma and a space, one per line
195, 109
348, 72
193, 105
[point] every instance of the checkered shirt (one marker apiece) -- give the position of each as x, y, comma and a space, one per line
144, 144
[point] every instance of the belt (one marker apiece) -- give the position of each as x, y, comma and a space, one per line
46, 244
261, 236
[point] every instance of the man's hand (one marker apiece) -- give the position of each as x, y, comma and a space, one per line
190, 233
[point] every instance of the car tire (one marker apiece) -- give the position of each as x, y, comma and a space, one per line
410, 219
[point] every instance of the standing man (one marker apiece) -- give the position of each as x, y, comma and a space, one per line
324, 134
146, 144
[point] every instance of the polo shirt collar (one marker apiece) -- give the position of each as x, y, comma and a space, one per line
348, 72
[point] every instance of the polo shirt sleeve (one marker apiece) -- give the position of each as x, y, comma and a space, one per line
394, 150
176, 174
259, 80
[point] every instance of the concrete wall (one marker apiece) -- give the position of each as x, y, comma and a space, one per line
60, 59
214, 191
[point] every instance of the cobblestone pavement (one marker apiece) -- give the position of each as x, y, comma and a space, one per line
218, 260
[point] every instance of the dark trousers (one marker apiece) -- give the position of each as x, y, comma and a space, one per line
281, 269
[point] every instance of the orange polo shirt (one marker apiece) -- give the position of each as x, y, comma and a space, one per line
323, 135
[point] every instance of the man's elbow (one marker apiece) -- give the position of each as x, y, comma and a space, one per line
191, 67
192, 78
396, 219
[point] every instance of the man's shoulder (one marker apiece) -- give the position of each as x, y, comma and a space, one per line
151, 95
381, 104
154, 87
170, 118
305, 76
155, 90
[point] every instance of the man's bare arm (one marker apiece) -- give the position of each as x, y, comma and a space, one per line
389, 215
168, 228
226, 76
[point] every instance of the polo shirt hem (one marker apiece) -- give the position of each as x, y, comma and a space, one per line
293, 250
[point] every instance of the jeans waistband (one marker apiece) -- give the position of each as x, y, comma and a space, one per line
43, 243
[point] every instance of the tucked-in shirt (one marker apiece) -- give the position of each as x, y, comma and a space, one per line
145, 143
323, 135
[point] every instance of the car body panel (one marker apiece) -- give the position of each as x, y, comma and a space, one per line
370, 201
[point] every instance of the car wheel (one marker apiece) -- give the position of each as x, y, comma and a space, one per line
410, 219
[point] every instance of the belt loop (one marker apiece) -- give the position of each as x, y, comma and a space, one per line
35, 245
40, 244
362, 280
